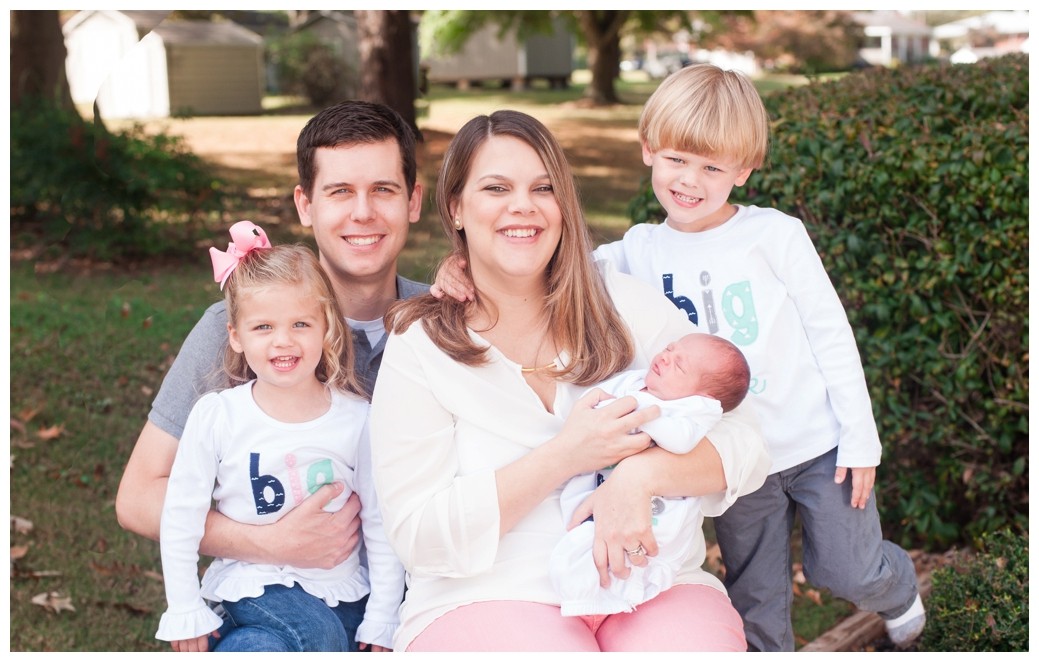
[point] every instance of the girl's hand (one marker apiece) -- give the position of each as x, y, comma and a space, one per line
600, 437
451, 280
375, 648
196, 645
862, 479
623, 521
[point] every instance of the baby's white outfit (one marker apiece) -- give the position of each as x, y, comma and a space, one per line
682, 424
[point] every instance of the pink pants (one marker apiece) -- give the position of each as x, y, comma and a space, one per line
687, 617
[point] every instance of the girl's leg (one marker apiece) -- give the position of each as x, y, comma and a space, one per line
284, 619
506, 625
687, 617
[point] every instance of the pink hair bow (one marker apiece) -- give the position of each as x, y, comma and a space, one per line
247, 237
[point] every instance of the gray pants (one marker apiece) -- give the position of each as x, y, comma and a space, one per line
843, 551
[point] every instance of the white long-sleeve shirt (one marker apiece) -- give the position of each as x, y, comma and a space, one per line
263, 468
758, 281
440, 429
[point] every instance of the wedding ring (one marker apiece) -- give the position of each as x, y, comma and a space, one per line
638, 551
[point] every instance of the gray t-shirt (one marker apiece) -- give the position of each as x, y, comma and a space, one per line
198, 367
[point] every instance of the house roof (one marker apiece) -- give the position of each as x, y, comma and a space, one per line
895, 21
1002, 22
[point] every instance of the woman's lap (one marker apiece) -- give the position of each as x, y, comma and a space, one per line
688, 617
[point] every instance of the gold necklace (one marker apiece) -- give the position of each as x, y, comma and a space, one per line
544, 367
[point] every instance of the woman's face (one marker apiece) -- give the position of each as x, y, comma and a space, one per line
509, 212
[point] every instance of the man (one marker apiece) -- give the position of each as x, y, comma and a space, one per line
358, 193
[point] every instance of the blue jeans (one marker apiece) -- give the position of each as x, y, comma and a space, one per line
288, 619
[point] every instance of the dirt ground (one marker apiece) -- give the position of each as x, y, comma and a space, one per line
259, 154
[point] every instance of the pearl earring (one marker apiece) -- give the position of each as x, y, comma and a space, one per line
458, 223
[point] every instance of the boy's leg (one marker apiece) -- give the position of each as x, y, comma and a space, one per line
754, 537
844, 549
284, 619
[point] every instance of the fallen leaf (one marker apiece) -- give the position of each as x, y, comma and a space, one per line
147, 323
53, 602
814, 596
45, 573
147, 390
53, 432
27, 415
20, 524
125, 309
151, 574
799, 576
19, 551
18, 425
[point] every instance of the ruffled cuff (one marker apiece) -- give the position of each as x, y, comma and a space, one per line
379, 634
188, 625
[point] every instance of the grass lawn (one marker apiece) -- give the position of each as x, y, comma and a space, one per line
90, 344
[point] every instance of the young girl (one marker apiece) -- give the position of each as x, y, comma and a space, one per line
295, 422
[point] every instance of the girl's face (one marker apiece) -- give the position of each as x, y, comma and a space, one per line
281, 330
509, 213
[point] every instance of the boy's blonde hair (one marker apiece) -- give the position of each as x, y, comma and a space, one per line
293, 264
709, 111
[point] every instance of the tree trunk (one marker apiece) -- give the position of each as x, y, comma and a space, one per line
602, 33
388, 60
38, 58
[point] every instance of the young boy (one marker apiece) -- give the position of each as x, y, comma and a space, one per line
694, 380
752, 275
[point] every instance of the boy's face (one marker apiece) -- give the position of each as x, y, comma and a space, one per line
675, 372
693, 189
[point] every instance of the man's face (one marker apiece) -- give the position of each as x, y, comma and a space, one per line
359, 210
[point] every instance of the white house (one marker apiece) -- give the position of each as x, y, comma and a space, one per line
986, 35
138, 64
892, 38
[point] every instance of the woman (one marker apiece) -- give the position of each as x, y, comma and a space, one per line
476, 423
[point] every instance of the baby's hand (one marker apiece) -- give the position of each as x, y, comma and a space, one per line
196, 645
862, 479
451, 280
375, 647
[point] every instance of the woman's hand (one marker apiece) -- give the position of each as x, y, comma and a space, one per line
623, 521
599, 437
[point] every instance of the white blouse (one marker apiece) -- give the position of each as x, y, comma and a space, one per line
440, 430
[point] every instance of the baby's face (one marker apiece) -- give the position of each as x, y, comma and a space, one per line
675, 372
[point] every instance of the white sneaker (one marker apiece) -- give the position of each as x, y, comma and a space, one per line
905, 629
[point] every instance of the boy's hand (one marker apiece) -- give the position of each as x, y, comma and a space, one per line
451, 280
862, 479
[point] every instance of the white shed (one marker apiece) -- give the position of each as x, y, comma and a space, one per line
138, 65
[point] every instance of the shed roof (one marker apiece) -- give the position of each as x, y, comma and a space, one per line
205, 32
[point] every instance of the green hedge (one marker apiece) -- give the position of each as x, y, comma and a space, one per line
914, 186
85, 191
980, 603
